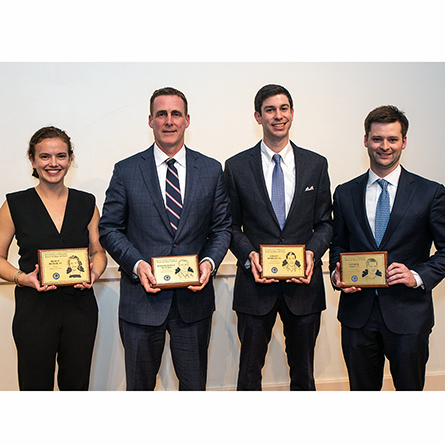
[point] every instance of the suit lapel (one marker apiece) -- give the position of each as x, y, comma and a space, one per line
258, 175
358, 199
150, 176
405, 191
299, 178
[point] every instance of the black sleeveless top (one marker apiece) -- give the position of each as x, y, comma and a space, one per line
34, 228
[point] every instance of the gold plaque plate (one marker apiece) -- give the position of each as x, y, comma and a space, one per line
364, 269
64, 267
283, 261
176, 271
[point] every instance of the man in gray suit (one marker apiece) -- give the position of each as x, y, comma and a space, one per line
156, 207
300, 215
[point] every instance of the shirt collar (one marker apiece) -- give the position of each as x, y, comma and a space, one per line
392, 178
286, 153
161, 157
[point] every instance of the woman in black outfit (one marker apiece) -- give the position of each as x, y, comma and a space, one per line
51, 322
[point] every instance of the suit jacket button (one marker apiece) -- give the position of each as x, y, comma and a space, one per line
281, 240
175, 245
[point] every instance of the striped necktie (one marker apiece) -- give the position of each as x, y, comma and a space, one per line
173, 199
382, 211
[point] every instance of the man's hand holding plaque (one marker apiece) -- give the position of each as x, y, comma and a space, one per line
146, 278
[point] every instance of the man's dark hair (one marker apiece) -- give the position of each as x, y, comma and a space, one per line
269, 91
386, 114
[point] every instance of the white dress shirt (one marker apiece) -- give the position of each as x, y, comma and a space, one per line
161, 167
373, 191
288, 167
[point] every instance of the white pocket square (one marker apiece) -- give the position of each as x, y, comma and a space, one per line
309, 189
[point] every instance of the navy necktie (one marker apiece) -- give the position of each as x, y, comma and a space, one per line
173, 199
278, 197
382, 211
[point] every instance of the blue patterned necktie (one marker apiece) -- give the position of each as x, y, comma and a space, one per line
382, 211
173, 199
278, 198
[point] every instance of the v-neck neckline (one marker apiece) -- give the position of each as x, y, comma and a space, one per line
48, 214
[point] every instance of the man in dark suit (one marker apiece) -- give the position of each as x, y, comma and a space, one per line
157, 207
298, 214
393, 322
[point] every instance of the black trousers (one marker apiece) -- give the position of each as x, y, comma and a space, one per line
144, 346
300, 336
365, 350
52, 326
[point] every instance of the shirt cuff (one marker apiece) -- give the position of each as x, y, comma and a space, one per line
419, 281
212, 263
135, 267
332, 280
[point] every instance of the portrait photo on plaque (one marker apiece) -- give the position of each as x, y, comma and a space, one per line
283, 261
64, 267
176, 271
364, 269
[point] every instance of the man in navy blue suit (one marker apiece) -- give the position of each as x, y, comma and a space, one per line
167, 200
393, 322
